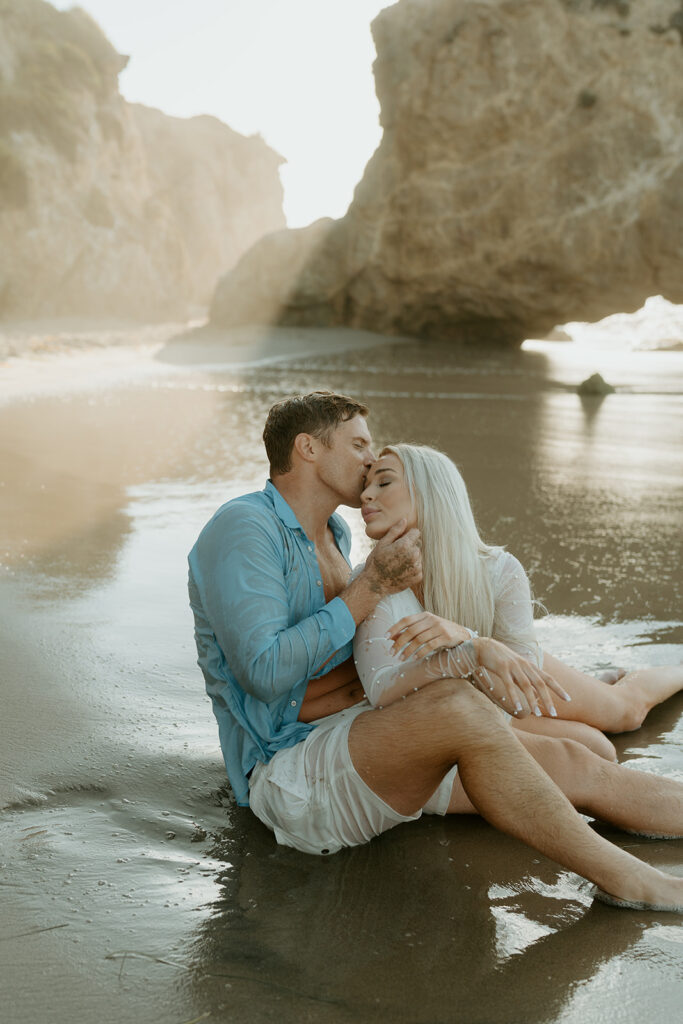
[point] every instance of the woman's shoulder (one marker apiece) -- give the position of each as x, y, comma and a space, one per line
503, 565
401, 604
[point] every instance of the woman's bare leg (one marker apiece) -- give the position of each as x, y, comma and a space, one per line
403, 751
625, 797
616, 707
556, 728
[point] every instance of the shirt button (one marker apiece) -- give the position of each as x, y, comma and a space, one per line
310, 548
318, 583
293, 703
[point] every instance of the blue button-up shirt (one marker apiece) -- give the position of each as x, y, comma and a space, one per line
262, 626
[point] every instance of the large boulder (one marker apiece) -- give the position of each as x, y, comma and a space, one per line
108, 207
530, 173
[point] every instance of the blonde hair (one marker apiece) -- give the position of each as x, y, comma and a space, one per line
457, 584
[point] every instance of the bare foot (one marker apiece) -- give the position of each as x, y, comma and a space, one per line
611, 675
662, 893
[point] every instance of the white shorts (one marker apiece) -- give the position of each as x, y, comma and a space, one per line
313, 799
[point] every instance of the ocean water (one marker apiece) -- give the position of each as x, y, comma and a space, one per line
135, 889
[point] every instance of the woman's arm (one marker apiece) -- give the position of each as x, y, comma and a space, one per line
507, 679
379, 667
513, 621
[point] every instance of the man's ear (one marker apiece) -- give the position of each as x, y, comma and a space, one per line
305, 445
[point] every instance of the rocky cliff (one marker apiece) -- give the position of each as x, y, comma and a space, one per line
108, 207
530, 173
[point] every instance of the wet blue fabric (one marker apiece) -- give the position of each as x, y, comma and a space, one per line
262, 626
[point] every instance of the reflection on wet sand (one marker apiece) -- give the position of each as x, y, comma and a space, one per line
407, 928
133, 880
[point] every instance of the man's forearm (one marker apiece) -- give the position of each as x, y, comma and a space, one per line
363, 594
395, 564
333, 692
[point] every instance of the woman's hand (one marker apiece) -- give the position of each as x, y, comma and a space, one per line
423, 633
512, 682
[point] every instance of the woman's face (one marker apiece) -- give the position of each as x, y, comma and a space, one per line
386, 497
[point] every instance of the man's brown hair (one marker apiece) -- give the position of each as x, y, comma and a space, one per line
318, 413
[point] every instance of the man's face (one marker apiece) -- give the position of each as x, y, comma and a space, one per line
344, 464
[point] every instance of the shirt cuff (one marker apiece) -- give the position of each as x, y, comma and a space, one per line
343, 626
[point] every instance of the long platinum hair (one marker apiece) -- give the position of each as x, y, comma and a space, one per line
456, 581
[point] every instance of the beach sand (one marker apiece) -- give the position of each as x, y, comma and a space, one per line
133, 887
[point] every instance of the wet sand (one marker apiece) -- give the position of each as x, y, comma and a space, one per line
133, 888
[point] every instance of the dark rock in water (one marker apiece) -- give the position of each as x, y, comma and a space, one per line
595, 385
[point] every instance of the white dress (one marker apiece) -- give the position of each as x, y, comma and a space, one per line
385, 677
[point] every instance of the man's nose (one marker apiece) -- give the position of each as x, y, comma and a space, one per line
370, 458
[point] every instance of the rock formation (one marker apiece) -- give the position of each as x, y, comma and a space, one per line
108, 207
530, 173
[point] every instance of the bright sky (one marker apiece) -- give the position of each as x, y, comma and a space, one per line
299, 72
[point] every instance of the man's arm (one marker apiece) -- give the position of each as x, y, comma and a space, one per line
394, 564
339, 689
239, 567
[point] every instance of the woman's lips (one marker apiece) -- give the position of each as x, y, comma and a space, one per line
368, 512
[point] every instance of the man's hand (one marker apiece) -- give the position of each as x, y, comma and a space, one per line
512, 682
395, 563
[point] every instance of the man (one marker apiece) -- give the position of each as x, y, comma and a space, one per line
275, 616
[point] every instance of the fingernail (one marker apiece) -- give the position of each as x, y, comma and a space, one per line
553, 712
518, 706
537, 711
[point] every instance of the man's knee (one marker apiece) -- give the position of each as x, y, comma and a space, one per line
458, 703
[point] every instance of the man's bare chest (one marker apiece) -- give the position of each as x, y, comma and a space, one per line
334, 570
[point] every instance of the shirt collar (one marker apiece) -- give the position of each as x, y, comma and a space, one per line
282, 510
286, 515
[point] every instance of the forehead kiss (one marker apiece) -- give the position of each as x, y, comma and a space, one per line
385, 467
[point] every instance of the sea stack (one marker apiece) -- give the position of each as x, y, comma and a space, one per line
530, 173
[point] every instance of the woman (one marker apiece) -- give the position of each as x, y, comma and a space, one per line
469, 587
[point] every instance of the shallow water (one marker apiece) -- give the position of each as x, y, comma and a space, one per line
134, 888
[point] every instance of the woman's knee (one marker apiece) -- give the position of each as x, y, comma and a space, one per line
632, 715
568, 761
603, 747
595, 741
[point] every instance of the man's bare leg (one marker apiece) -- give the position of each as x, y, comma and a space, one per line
614, 707
403, 751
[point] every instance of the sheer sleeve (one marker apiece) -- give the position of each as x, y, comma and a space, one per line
384, 676
513, 622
